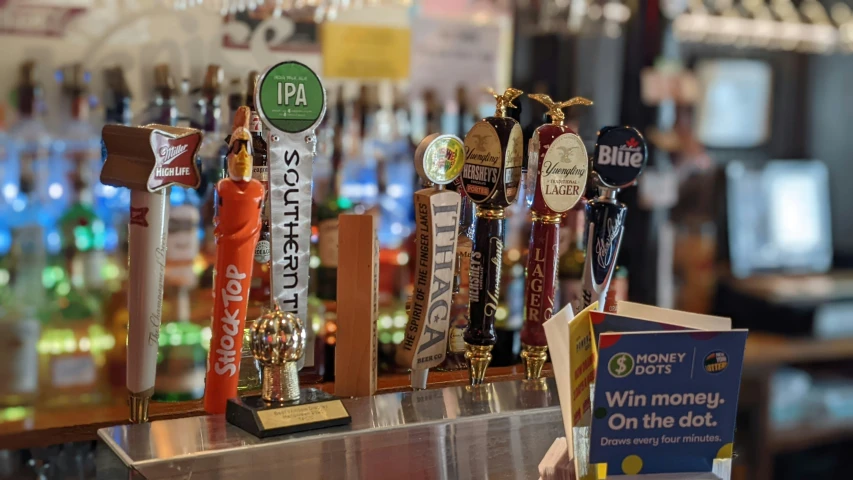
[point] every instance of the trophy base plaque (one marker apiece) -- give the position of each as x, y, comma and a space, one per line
314, 409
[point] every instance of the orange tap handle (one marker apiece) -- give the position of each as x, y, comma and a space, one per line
238, 226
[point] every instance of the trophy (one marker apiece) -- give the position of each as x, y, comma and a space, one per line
556, 180
147, 160
619, 157
278, 342
438, 160
238, 226
491, 177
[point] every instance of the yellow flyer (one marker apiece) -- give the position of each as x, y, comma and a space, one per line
365, 52
573, 359
582, 361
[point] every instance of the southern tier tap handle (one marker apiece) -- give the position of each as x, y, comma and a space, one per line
555, 109
504, 100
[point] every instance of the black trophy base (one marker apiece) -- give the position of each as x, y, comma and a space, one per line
314, 409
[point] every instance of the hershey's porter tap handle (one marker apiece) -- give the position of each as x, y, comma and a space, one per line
147, 160
238, 225
491, 177
619, 158
438, 160
556, 180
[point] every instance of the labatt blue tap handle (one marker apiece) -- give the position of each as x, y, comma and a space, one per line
618, 159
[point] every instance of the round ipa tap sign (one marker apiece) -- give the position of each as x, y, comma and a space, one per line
290, 98
619, 156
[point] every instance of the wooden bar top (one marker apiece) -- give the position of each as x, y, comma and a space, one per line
27, 427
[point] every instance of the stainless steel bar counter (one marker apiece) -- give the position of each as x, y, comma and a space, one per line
496, 431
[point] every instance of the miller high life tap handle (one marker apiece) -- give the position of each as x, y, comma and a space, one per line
147, 160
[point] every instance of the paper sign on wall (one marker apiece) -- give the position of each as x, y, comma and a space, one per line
365, 52
448, 53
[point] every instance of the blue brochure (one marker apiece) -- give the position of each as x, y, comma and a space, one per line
665, 401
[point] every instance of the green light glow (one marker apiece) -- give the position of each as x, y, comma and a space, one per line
14, 414
400, 321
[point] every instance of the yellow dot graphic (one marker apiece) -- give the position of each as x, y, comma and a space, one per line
725, 451
632, 465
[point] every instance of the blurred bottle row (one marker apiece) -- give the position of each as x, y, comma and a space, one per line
63, 289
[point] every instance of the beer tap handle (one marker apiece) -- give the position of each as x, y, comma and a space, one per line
619, 158
556, 181
439, 160
238, 226
484, 290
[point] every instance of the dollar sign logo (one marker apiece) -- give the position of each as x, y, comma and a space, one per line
621, 365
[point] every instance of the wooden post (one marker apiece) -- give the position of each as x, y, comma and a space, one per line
358, 308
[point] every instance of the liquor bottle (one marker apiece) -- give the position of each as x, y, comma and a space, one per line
83, 230
432, 110
570, 269
83, 235
211, 154
454, 358
509, 316
236, 95
327, 248
556, 181
117, 100
31, 143
466, 116
116, 318
361, 149
113, 203
491, 178
20, 319
184, 104
163, 108
181, 361
9, 184
259, 295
